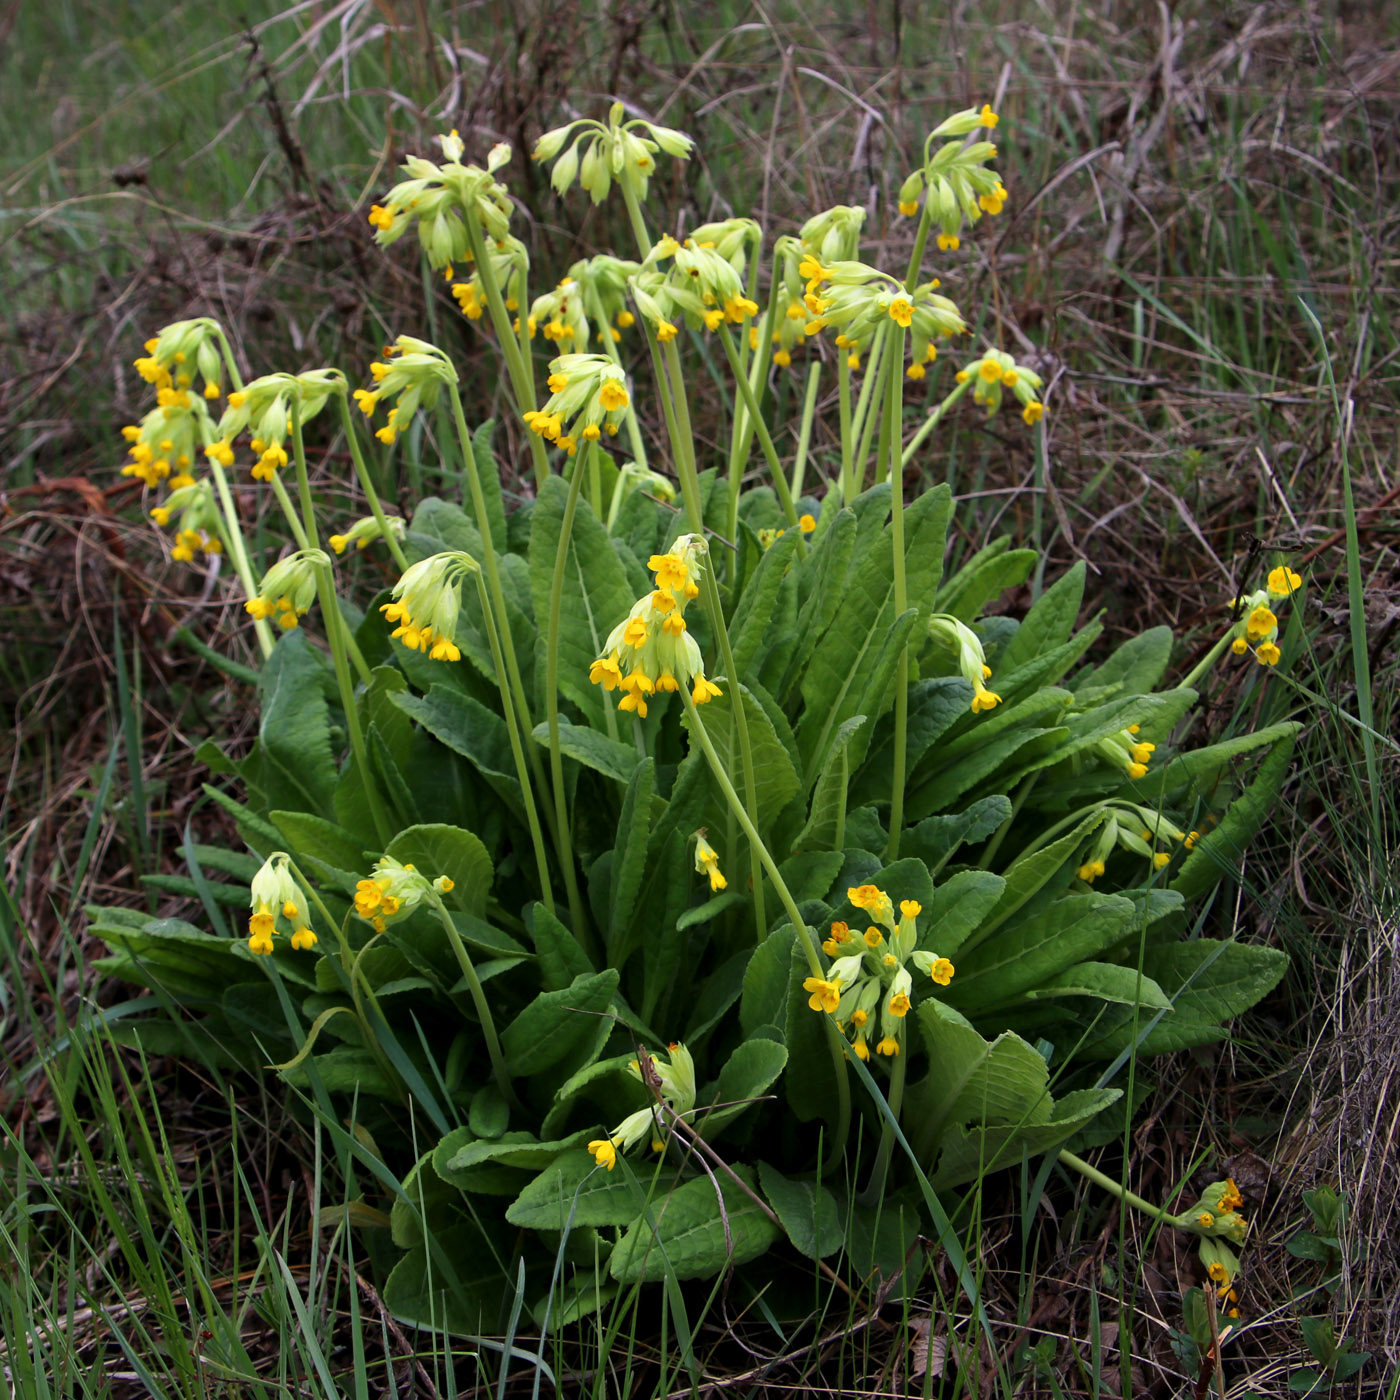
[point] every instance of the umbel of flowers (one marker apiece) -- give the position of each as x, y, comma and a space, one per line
197, 521
288, 588
277, 904
957, 183
263, 409
868, 988
393, 891
588, 394
1257, 629
431, 201
699, 281
427, 601
603, 152
652, 650
675, 1082
412, 374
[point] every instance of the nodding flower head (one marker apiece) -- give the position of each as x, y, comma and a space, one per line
856, 300
365, 531
178, 353
869, 985
1258, 625
277, 904
971, 659
954, 180
426, 602
438, 197
601, 153
393, 891
411, 375
288, 588
707, 862
675, 1083
651, 651
996, 371
197, 521
264, 409
587, 399
1130, 826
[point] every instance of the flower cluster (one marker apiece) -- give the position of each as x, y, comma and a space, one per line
1138, 830
178, 352
274, 894
707, 862
995, 371
856, 300
561, 316
510, 260
414, 376
435, 198
289, 587
834, 234
870, 972
675, 1082
264, 410
393, 891
704, 284
426, 602
166, 440
1127, 751
365, 531
587, 396
972, 660
651, 650
769, 535
1257, 629
1216, 1218
198, 526
603, 152
959, 186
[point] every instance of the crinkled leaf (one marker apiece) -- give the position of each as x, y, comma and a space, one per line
807, 1211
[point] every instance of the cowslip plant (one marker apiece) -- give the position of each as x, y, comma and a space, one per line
672, 758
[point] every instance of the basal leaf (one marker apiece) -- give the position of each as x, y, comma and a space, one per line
807, 1211
687, 1237
558, 1026
436, 849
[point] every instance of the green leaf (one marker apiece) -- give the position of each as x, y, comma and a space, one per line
688, 1236
970, 1153
985, 576
592, 749
935, 839
561, 956
806, 1210
1048, 624
1138, 665
827, 814
820, 587
558, 1026
1217, 852
513, 1150
483, 462
630, 852
435, 849
333, 848
469, 728
840, 664
1031, 873
973, 1080
748, 1073
750, 622
934, 707
1104, 982
958, 907
809, 874
1028, 954
1209, 983
766, 979
572, 1185
596, 595
294, 733
775, 778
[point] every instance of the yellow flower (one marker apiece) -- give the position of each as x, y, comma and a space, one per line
873, 937
704, 691
806, 523
941, 971
1283, 581
825, 996
1267, 654
984, 699
707, 862
899, 1004
604, 1152
908, 207
902, 312
1262, 623
989, 117
888, 1046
